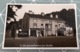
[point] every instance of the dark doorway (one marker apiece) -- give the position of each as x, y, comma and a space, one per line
42, 33
33, 32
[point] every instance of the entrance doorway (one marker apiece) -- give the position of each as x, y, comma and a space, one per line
33, 32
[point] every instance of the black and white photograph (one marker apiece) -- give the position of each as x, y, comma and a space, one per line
41, 26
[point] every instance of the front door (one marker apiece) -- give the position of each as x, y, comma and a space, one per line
33, 32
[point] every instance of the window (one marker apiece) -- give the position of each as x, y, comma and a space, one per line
51, 15
56, 27
50, 26
59, 25
34, 25
46, 25
49, 22
35, 20
57, 16
41, 24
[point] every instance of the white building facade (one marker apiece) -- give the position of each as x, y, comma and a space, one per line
44, 26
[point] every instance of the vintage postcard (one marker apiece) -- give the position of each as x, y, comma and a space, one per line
41, 26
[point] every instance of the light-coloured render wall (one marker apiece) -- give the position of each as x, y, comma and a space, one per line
44, 21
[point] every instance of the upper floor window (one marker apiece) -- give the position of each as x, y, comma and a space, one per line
34, 25
49, 22
50, 26
46, 25
51, 16
41, 24
56, 16
35, 20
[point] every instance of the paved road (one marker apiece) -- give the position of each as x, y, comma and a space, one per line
50, 41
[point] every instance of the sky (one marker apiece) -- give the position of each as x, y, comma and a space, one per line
38, 8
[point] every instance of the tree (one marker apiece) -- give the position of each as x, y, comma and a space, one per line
11, 13
13, 24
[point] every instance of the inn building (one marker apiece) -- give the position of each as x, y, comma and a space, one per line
41, 24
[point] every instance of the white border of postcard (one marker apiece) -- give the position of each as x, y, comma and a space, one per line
77, 39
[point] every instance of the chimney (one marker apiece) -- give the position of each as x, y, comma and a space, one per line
42, 13
30, 12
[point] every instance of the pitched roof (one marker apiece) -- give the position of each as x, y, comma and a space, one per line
42, 17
